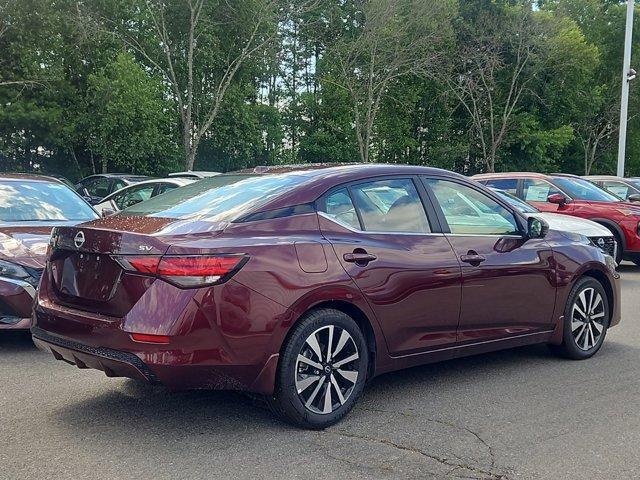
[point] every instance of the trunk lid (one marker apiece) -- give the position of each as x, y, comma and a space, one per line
83, 268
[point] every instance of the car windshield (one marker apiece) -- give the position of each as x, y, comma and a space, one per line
580, 189
32, 200
520, 205
220, 198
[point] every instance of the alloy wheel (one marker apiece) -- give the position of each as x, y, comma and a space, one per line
588, 315
327, 369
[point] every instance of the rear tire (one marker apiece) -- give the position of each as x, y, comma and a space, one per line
586, 320
322, 370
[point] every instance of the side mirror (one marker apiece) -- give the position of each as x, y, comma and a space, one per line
537, 228
633, 198
107, 212
558, 199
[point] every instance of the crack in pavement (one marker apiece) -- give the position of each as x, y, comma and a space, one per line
486, 474
489, 448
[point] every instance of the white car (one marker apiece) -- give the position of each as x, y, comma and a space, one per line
599, 236
133, 194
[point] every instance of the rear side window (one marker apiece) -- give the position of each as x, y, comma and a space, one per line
217, 199
509, 185
538, 190
390, 206
339, 206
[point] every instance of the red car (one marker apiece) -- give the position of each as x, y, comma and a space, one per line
30, 206
301, 286
572, 195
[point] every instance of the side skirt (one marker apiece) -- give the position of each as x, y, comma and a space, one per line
457, 351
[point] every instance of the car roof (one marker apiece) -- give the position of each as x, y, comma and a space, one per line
124, 176
194, 173
604, 177
29, 176
487, 176
320, 179
509, 175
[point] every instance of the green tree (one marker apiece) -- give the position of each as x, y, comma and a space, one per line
127, 120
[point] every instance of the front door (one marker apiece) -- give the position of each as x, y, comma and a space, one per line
403, 265
508, 279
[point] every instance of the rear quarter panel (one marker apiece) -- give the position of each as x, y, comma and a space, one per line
290, 263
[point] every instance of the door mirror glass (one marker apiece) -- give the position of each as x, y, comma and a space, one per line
558, 199
537, 228
634, 197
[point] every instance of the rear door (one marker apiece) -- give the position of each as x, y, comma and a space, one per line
508, 280
399, 259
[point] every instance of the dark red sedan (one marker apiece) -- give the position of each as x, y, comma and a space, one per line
30, 206
303, 285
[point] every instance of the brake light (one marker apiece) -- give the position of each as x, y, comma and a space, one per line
185, 271
144, 264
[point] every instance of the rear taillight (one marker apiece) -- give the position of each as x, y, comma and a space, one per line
185, 271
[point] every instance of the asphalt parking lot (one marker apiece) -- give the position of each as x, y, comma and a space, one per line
521, 413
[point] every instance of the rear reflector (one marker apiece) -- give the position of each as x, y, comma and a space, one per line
185, 271
148, 338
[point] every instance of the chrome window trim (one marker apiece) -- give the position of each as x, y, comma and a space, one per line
27, 287
370, 232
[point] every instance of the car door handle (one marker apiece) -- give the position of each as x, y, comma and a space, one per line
359, 258
473, 258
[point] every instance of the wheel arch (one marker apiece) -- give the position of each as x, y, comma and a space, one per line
589, 272
358, 315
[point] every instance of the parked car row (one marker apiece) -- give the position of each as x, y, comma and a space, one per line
577, 197
301, 284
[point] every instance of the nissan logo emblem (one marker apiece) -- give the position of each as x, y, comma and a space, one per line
78, 240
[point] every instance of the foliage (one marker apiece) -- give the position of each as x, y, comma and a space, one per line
150, 86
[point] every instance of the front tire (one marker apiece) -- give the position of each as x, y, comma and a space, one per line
586, 320
322, 370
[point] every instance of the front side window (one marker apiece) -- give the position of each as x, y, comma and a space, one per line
390, 206
580, 189
24, 201
538, 190
133, 195
470, 212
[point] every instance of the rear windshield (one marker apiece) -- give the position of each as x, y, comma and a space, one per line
28, 201
222, 198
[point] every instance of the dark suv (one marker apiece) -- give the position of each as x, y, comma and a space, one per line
572, 195
301, 286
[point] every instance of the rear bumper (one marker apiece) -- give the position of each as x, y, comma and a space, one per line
113, 363
16, 302
200, 355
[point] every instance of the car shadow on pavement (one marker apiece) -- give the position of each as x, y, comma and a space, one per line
13, 341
